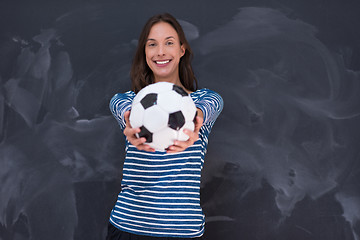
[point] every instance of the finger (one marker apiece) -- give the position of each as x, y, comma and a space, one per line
181, 145
193, 136
199, 122
148, 148
145, 147
137, 141
130, 132
140, 143
127, 117
174, 149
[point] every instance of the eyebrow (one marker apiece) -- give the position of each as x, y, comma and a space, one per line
151, 39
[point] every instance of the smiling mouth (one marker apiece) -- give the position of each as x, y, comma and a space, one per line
162, 62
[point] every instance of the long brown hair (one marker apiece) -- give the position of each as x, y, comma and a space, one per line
141, 75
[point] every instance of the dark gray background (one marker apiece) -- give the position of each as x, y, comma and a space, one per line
283, 157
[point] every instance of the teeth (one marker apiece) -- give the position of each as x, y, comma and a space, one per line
162, 62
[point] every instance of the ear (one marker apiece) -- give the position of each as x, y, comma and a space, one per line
182, 47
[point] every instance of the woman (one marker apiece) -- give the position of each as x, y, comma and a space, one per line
160, 195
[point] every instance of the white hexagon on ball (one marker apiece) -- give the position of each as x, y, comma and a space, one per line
170, 101
188, 108
159, 87
163, 139
155, 119
136, 115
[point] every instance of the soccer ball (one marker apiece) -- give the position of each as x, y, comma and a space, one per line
162, 111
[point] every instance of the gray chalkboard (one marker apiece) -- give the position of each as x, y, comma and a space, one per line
283, 157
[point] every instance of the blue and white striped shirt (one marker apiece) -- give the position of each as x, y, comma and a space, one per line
160, 192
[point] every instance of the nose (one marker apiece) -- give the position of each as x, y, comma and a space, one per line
161, 50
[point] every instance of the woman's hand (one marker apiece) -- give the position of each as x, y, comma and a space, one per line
130, 132
193, 136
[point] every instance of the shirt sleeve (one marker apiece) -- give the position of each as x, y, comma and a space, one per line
119, 104
211, 104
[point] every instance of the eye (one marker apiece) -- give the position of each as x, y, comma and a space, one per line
169, 43
151, 44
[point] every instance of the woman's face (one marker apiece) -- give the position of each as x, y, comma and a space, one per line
163, 52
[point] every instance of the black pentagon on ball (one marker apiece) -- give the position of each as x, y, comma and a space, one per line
180, 90
176, 120
146, 134
149, 100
